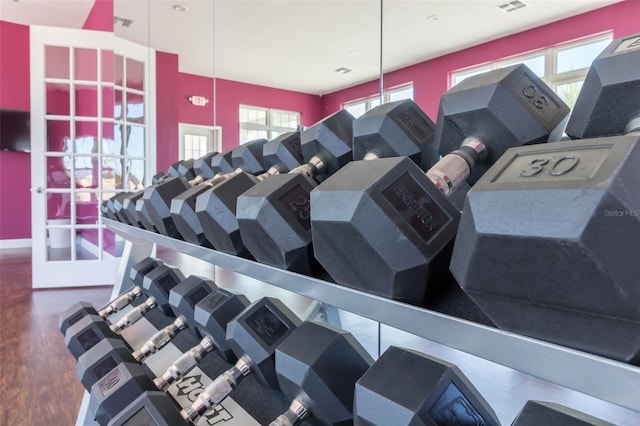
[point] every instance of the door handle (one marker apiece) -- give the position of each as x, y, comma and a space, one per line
39, 190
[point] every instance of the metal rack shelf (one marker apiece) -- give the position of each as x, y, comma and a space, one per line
609, 380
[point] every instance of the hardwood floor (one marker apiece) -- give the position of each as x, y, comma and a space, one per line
38, 382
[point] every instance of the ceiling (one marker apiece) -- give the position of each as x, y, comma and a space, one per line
298, 44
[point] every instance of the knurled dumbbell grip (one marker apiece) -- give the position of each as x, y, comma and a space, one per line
216, 392
184, 364
120, 302
134, 316
160, 339
292, 416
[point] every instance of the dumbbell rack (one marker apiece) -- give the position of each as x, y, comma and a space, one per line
607, 380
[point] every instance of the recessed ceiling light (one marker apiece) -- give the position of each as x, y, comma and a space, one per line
179, 8
343, 70
433, 17
512, 6
354, 53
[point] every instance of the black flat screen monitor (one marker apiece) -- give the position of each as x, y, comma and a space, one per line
15, 130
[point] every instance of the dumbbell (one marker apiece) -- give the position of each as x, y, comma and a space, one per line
564, 220
157, 284
317, 368
136, 274
129, 215
76, 312
211, 314
396, 129
156, 199
183, 298
127, 392
405, 387
536, 413
214, 223
215, 207
386, 227
607, 104
253, 336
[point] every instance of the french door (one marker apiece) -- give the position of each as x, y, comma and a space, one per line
91, 123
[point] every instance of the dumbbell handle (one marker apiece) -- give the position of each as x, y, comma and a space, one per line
120, 302
454, 168
160, 339
134, 316
184, 364
312, 168
217, 391
296, 413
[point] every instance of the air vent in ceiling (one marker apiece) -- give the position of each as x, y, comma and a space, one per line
512, 6
343, 70
123, 22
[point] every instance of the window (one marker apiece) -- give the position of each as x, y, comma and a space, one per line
266, 123
359, 107
563, 67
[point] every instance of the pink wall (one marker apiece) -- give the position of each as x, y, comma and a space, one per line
15, 167
101, 16
167, 111
430, 78
190, 85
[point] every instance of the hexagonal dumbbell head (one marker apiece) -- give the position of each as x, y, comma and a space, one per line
503, 108
73, 314
138, 271
253, 336
214, 312
129, 209
395, 129
536, 413
158, 202
184, 296
248, 157
150, 408
95, 363
389, 213
202, 166
273, 219
159, 177
396, 218
318, 366
609, 101
159, 282
326, 146
564, 220
118, 206
104, 209
183, 168
216, 208
221, 163
404, 387
86, 333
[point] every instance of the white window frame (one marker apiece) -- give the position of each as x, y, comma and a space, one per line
386, 97
551, 76
271, 130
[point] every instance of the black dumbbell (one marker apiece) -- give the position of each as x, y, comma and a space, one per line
183, 298
211, 314
273, 216
136, 274
156, 199
254, 336
127, 391
247, 160
156, 284
317, 367
387, 228
216, 207
405, 387
608, 101
129, 215
536, 413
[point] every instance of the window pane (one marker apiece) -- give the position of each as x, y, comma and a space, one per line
400, 94
460, 76
535, 64
356, 109
244, 115
579, 57
374, 102
568, 92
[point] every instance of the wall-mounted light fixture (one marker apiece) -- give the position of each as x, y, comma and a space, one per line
198, 100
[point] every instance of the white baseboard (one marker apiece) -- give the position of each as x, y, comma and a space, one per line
18, 243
